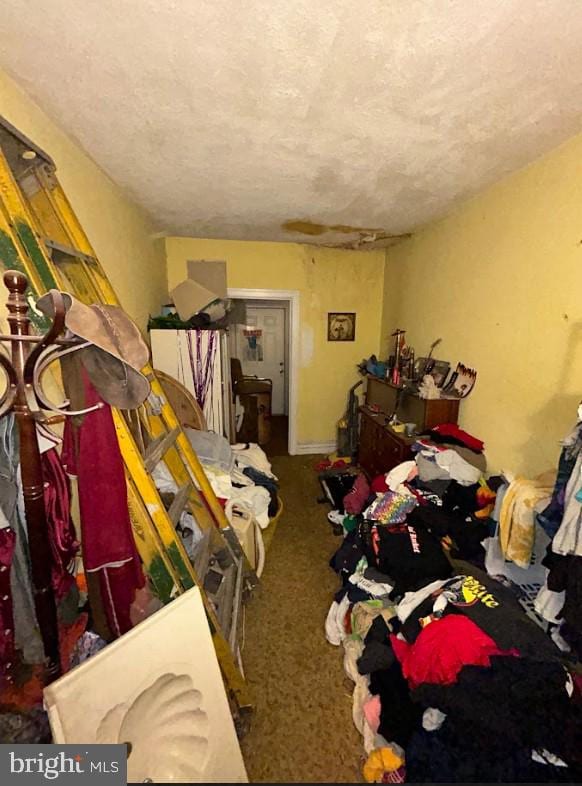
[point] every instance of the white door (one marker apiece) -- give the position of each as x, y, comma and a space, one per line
260, 347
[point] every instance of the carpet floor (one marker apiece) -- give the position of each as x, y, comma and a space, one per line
302, 729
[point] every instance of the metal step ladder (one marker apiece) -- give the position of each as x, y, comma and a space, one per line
41, 236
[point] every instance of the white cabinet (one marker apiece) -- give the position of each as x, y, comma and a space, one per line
200, 360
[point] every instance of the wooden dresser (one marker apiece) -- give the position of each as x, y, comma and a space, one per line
381, 448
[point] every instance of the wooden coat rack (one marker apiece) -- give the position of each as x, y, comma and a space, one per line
29, 356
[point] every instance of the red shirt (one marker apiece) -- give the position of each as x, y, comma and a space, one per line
441, 650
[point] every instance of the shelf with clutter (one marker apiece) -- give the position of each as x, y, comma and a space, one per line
404, 397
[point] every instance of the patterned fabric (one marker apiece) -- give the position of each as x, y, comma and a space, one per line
7, 540
518, 514
391, 508
88, 645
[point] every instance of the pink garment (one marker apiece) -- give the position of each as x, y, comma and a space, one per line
372, 709
92, 453
357, 496
62, 537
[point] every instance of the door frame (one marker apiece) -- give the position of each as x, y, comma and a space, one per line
292, 297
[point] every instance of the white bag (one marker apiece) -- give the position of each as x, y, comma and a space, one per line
248, 532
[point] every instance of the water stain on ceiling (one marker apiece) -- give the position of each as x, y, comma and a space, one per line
343, 235
311, 228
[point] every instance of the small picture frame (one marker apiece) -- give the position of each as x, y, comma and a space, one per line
439, 372
341, 326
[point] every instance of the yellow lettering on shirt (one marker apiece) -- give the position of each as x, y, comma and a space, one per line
472, 590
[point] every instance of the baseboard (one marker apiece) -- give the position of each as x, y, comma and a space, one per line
314, 448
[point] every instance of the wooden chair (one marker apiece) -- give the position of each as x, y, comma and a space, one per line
255, 394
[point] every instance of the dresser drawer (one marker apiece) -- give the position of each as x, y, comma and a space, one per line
366, 454
380, 449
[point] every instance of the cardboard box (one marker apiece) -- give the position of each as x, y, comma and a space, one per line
190, 298
209, 273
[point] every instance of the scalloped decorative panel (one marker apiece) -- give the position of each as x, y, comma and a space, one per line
159, 689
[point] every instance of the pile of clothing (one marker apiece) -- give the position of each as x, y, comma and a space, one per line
444, 488
240, 474
241, 477
453, 681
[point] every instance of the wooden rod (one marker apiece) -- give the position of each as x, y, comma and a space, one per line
67, 342
32, 479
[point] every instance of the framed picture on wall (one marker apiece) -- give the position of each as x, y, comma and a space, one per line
341, 326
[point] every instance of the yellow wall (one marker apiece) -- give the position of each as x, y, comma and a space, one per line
120, 232
328, 280
500, 280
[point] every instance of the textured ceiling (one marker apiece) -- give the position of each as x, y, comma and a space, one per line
232, 119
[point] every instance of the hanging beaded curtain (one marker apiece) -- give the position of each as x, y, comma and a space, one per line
203, 370
202, 367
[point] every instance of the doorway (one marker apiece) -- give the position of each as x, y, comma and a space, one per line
265, 346
261, 346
